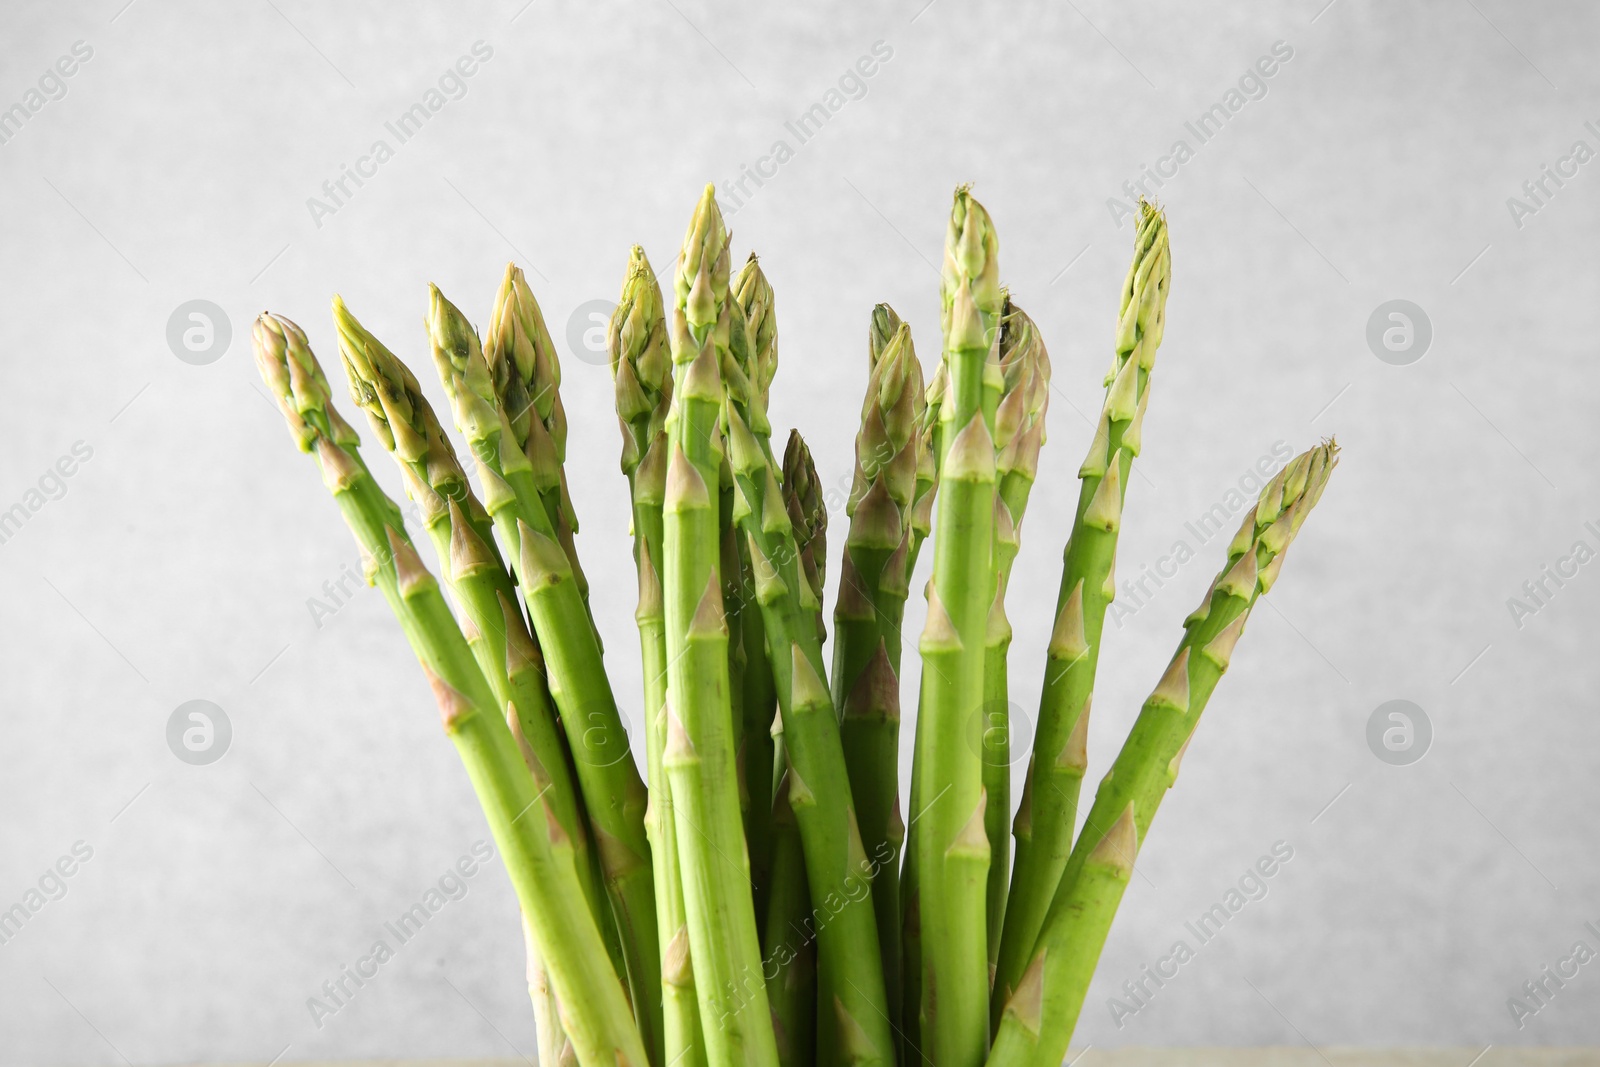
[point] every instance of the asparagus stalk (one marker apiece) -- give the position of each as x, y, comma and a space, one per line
1018, 436
527, 381
853, 1009
613, 794
1046, 816
759, 344
699, 756
1147, 766
554, 1045
538, 853
461, 531
789, 944
873, 584
920, 522
1043, 1011
641, 369
952, 849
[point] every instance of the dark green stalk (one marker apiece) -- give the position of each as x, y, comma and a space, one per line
789, 943
873, 584
753, 348
853, 1021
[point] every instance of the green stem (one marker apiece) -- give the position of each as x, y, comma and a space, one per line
952, 849
613, 794
867, 615
838, 869
699, 757
789, 946
1148, 763
1037, 1021
538, 854
1044, 829
641, 370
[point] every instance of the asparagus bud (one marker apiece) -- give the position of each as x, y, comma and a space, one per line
808, 517
641, 367
527, 383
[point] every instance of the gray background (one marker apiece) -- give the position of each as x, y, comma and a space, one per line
180, 560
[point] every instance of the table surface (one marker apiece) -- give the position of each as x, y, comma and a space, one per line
1266, 1056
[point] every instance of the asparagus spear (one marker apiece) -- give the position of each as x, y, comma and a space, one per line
527, 381
920, 523
1018, 436
1047, 813
461, 531
1147, 766
853, 1014
538, 853
1043, 1011
641, 369
759, 345
699, 756
952, 850
788, 943
873, 584
613, 795
554, 1045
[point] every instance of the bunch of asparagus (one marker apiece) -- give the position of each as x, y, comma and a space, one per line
761, 899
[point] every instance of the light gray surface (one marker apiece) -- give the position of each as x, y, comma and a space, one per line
179, 562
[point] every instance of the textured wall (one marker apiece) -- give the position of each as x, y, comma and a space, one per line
177, 560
